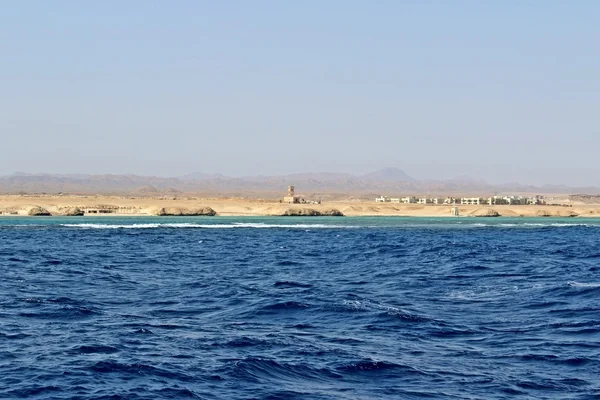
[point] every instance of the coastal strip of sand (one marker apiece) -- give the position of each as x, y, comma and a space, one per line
22, 205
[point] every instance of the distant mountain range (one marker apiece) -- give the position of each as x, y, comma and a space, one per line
387, 181
388, 175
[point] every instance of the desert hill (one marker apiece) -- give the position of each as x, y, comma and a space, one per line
387, 181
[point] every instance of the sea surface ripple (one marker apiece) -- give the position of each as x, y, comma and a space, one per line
299, 308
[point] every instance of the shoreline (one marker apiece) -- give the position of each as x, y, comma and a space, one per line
107, 206
291, 217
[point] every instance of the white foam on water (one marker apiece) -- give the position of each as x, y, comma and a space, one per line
530, 224
561, 224
205, 226
305, 226
557, 224
583, 284
24, 225
297, 226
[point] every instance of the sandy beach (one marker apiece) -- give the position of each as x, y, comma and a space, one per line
140, 206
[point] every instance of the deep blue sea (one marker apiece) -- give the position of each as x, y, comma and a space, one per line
299, 308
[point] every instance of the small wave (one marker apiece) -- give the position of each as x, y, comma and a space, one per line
575, 310
64, 300
144, 331
259, 369
591, 323
346, 341
139, 226
15, 336
291, 284
35, 390
576, 361
545, 304
405, 316
23, 226
567, 224
301, 326
583, 284
62, 313
288, 305
560, 225
354, 305
52, 262
178, 393
527, 224
450, 333
544, 384
243, 342
288, 263
137, 369
367, 366
33, 300
292, 226
95, 349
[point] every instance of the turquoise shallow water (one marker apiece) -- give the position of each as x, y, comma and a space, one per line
299, 308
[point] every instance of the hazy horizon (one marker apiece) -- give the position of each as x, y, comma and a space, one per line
502, 92
465, 178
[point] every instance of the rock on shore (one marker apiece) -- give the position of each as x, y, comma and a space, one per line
566, 213
485, 212
184, 212
310, 212
333, 212
37, 211
69, 212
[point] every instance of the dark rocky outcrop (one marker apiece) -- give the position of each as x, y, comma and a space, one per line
71, 212
184, 212
310, 212
37, 211
333, 212
566, 213
485, 212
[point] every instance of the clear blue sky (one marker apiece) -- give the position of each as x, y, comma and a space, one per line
499, 90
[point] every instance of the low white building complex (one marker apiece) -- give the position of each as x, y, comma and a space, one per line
495, 200
471, 200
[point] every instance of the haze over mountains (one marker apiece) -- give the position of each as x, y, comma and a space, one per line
387, 181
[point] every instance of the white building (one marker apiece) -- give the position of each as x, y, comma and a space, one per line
430, 200
536, 200
471, 200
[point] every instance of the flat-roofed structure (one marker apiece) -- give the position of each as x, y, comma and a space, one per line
471, 200
291, 197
